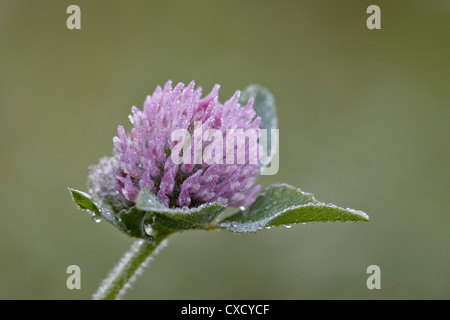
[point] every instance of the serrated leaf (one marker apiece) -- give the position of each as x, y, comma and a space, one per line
285, 205
264, 106
202, 217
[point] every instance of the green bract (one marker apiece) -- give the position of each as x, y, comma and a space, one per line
264, 106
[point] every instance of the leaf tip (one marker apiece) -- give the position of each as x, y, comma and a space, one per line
364, 216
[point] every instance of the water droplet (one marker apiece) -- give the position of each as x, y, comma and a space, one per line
96, 218
288, 226
148, 229
268, 227
242, 208
222, 201
185, 209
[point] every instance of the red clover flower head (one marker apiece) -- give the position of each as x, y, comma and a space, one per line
146, 157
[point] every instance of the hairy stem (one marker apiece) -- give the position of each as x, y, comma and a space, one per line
129, 268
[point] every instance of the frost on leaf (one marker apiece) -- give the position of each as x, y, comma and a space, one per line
285, 205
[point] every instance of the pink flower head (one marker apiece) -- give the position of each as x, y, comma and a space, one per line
145, 156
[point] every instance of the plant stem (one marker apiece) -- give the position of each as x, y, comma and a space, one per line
130, 266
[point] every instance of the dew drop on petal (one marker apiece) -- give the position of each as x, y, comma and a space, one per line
221, 201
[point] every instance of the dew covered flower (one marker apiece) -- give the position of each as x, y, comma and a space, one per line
184, 161
144, 157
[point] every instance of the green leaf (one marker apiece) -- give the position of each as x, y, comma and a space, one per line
202, 217
264, 106
84, 201
285, 205
134, 223
130, 221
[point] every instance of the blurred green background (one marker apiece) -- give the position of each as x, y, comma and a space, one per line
363, 119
